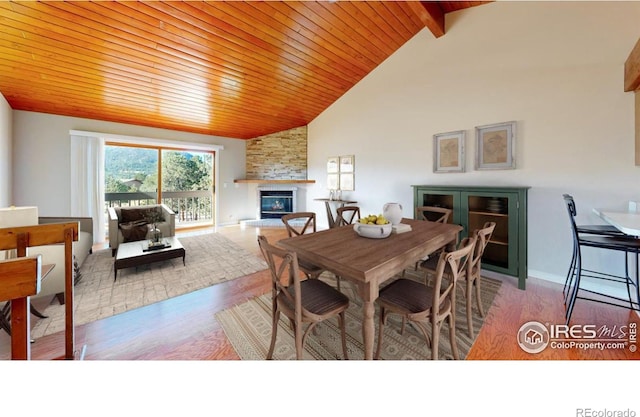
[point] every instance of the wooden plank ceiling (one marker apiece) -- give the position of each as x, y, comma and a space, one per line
236, 69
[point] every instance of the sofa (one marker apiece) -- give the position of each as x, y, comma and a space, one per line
53, 284
128, 224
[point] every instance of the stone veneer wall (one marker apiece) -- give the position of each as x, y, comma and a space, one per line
278, 156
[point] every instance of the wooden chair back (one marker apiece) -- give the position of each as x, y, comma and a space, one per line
347, 215
453, 265
302, 301
474, 271
482, 239
285, 276
300, 223
433, 214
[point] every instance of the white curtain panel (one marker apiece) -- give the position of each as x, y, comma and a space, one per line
87, 181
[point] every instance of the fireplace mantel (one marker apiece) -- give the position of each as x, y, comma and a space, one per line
264, 181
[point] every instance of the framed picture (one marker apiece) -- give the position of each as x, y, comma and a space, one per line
333, 181
346, 163
333, 164
496, 146
346, 181
448, 152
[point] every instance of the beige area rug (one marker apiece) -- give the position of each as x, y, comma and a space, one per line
248, 327
210, 259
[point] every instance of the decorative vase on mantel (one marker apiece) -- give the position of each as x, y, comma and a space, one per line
392, 212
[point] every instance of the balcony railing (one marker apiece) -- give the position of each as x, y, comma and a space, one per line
191, 207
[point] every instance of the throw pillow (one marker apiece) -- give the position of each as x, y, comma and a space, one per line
132, 215
134, 231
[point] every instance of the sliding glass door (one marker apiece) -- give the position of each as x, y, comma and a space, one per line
187, 185
180, 178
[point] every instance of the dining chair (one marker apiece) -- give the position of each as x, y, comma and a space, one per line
307, 302
300, 223
347, 215
472, 274
588, 237
422, 304
432, 214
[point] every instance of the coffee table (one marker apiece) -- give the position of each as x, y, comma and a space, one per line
132, 254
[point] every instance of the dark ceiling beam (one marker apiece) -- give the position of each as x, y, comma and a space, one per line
632, 69
431, 15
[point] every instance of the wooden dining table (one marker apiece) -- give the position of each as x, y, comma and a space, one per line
367, 263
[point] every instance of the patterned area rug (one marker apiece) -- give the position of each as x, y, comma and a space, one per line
248, 327
210, 259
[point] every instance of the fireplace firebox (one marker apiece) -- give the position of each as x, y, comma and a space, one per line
275, 203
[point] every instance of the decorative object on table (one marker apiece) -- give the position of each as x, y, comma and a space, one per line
374, 227
154, 216
496, 146
448, 152
392, 212
400, 228
151, 245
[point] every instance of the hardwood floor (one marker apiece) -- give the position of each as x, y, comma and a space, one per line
184, 327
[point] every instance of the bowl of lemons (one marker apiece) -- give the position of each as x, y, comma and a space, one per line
373, 227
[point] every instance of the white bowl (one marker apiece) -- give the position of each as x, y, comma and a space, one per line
373, 231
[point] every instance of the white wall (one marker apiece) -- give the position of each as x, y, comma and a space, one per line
5, 153
42, 158
554, 67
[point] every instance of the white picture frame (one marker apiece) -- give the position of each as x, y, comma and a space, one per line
496, 146
346, 181
449, 152
333, 165
347, 163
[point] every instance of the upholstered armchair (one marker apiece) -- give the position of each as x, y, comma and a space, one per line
126, 218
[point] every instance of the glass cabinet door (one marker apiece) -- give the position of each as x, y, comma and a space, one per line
440, 198
501, 208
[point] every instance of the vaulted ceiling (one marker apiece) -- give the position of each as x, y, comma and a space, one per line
239, 69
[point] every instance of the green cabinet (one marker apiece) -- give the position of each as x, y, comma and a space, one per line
506, 252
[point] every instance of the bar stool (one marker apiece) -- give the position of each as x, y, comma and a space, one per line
601, 237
